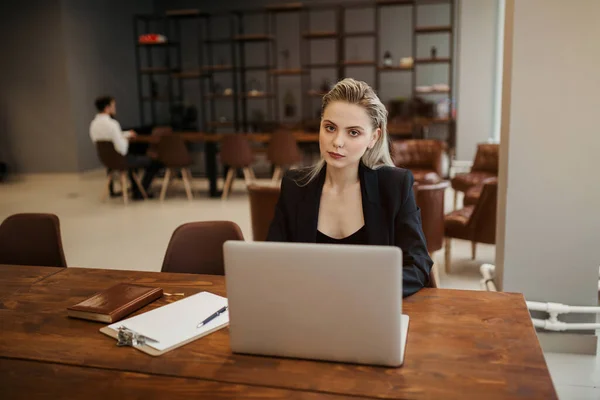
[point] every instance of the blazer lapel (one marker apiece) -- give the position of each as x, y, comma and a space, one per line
308, 210
375, 221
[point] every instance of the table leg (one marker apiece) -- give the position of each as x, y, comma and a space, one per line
210, 151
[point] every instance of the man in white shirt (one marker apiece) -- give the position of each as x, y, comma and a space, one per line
105, 128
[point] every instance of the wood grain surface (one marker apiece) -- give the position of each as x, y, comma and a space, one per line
461, 344
34, 380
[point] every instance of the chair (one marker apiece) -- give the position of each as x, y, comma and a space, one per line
422, 157
283, 152
197, 247
263, 200
484, 166
157, 131
430, 199
32, 239
476, 223
173, 154
116, 164
237, 154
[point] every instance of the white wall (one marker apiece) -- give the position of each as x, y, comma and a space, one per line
477, 43
549, 220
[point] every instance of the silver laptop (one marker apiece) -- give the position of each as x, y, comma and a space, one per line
314, 301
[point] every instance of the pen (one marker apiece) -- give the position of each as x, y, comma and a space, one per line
213, 316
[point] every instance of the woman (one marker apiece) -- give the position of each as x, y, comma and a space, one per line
354, 195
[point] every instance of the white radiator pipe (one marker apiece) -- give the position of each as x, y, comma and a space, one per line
562, 326
557, 308
487, 272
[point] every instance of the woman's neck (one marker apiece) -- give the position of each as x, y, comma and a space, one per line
339, 179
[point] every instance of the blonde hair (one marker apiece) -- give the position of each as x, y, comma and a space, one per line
360, 93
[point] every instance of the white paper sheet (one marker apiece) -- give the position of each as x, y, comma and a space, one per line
176, 322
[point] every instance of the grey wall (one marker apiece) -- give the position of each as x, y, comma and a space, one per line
549, 191
476, 90
98, 36
36, 130
60, 55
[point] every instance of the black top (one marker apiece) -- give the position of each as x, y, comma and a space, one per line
358, 237
391, 217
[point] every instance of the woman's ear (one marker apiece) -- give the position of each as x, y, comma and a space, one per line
375, 138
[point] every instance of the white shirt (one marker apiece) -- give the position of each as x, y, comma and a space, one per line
104, 128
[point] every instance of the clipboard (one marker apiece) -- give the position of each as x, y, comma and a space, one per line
171, 326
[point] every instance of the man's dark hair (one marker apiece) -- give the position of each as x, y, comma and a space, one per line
103, 101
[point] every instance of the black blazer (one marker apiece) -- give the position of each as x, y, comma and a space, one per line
391, 217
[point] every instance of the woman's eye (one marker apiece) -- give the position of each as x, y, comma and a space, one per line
329, 128
354, 133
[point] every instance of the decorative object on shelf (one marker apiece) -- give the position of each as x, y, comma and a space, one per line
442, 109
254, 88
286, 58
433, 52
441, 87
228, 92
152, 38
289, 104
387, 59
223, 119
154, 89
424, 89
406, 62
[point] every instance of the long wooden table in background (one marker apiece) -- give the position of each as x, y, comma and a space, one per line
210, 141
461, 345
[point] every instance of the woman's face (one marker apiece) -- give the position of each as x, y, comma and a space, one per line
346, 133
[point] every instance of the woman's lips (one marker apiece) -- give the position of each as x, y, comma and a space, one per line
335, 155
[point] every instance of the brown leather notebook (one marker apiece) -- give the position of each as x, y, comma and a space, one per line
115, 302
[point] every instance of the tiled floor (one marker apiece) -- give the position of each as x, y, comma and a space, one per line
110, 235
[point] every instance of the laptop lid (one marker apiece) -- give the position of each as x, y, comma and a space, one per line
327, 302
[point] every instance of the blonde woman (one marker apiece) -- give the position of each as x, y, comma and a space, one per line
354, 194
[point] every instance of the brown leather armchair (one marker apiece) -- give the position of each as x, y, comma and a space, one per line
476, 223
422, 157
263, 200
484, 166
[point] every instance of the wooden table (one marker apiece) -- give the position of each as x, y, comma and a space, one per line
461, 344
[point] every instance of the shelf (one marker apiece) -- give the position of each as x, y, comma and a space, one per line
258, 67
189, 74
219, 41
285, 7
157, 70
257, 96
319, 66
188, 13
432, 60
359, 34
219, 96
220, 124
283, 72
218, 68
360, 63
253, 38
320, 35
384, 3
165, 44
394, 68
433, 92
434, 29
316, 93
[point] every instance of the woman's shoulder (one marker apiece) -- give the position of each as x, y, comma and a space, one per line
295, 180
